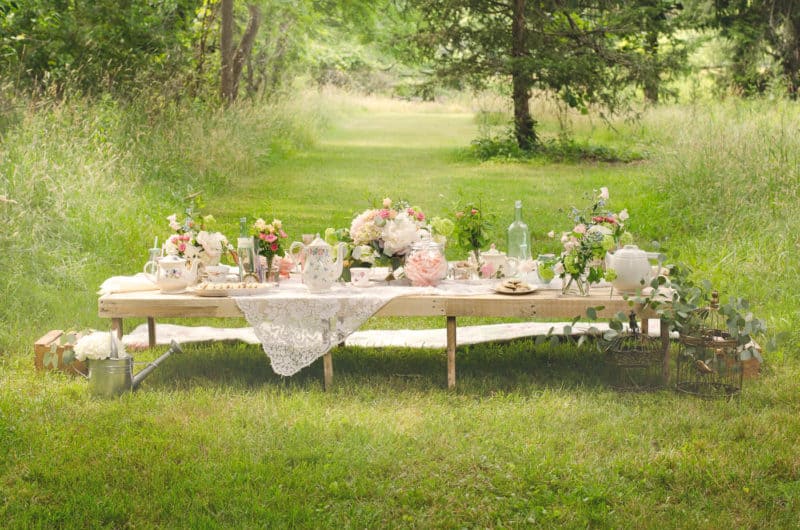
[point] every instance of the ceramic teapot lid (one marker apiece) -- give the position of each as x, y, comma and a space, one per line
319, 243
493, 251
630, 252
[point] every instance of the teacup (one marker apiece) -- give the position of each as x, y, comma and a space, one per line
216, 274
359, 276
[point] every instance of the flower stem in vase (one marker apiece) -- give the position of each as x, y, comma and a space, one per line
575, 286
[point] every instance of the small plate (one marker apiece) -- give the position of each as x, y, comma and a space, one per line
500, 289
233, 291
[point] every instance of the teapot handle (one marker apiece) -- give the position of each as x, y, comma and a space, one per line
151, 271
297, 244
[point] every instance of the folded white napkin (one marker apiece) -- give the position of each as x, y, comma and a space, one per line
127, 284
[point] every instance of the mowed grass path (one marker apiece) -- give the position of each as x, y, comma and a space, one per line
531, 437
404, 152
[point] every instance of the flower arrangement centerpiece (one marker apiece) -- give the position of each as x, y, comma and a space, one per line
193, 238
595, 232
472, 228
270, 239
389, 231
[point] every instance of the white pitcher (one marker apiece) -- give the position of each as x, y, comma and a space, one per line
321, 269
632, 267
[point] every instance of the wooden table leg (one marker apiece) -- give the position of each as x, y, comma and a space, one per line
327, 370
451, 352
116, 325
151, 331
665, 346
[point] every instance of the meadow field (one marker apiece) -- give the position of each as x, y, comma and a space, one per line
532, 436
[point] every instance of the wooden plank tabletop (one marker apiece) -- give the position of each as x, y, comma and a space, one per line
543, 304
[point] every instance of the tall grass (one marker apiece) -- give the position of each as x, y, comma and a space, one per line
91, 183
729, 180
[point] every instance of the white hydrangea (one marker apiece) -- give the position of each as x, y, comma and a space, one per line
97, 345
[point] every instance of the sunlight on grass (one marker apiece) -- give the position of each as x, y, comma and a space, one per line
532, 437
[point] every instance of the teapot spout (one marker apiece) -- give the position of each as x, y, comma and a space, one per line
341, 252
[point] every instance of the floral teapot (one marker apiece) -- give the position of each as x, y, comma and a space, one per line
498, 264
632, 267
321, 269
173, 274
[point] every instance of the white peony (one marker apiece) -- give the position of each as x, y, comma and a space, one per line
97, 345
399, 235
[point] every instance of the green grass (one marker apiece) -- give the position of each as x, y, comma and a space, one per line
533, 436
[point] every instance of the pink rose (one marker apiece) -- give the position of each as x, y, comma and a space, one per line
420, 216
270, 238
474, 211
262, 236
182, 247
273, 247
580, 229
283, 234
384, 214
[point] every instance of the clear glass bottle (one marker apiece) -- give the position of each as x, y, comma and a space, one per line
245, 250
518, 236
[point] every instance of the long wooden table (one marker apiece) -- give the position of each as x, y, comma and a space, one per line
543, 304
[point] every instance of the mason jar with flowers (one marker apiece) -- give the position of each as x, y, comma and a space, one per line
270, 239
471, 231
596, 231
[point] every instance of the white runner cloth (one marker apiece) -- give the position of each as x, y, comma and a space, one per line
296, 327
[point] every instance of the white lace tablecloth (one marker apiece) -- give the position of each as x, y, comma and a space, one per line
296, 327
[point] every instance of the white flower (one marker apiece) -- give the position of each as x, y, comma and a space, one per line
551, 234
623, 215
192, 252
399, 235
364, 253
558, 268
213, 243
604, 193
277, 224
97, 345
260, 225
602, 229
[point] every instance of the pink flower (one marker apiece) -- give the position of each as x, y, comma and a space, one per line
392, 214
604, 193
411, 212
384, 214
270, 238
283, 234
474, 211
580, 229
185, 237
273, 247
487, 270
262, 236
459, 215
182, 247
420, 216
174, 240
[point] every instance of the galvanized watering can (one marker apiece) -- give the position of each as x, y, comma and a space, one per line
113, 377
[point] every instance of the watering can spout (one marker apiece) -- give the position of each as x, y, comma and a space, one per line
174, 347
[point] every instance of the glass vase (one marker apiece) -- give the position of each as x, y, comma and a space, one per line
575, 285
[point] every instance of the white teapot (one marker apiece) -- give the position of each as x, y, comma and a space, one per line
321, 269
174, 274
632, 267
501, 265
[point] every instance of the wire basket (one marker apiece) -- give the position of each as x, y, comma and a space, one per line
634, 362
708, 363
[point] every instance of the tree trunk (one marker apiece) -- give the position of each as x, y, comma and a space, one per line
233, 60
521, 80
652, 78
